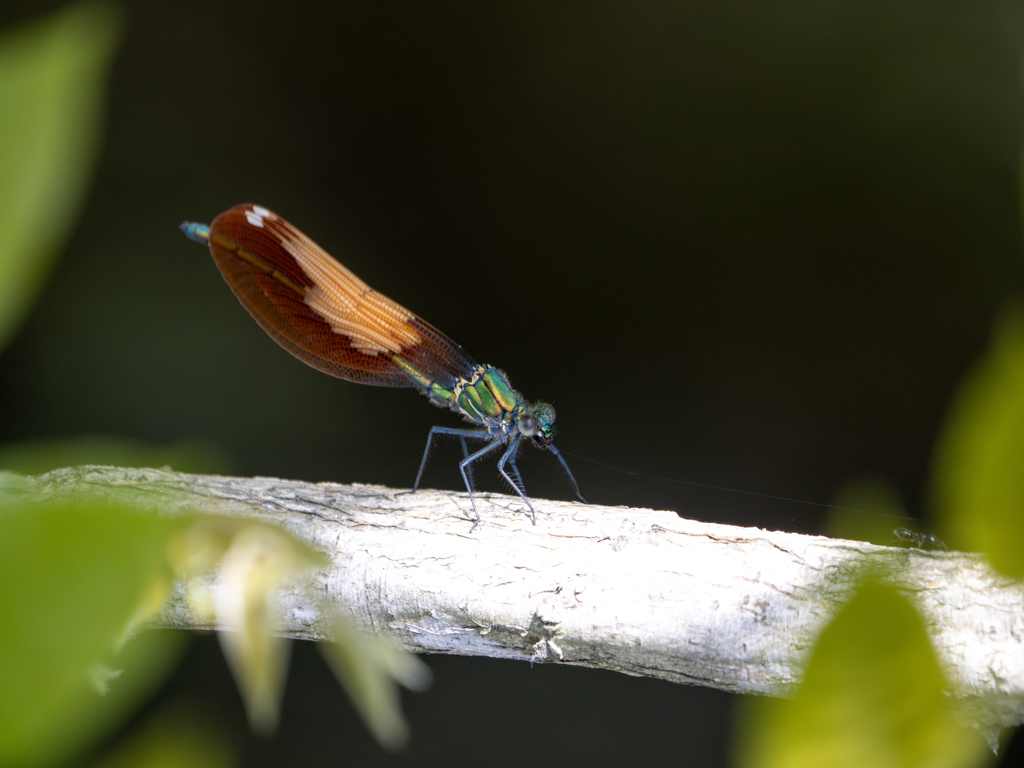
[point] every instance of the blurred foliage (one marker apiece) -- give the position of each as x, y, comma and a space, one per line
873, 692
882, 504
38, 456
82, 578
53, 78
170, 740
12, 484
369, 668
254, 559
873, 695
73, 575
978, 468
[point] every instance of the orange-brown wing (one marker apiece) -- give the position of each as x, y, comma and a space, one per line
319, 311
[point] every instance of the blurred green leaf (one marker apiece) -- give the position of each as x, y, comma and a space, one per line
873, 695
72, 576
978, 470
12, 484
36, 457
175, 740
371, 669
53, 76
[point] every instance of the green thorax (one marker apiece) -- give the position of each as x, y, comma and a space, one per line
485, 398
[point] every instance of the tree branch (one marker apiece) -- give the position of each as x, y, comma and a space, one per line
633, 590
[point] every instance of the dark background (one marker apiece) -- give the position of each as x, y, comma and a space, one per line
752, 245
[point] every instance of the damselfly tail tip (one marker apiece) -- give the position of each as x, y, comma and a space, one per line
195, 231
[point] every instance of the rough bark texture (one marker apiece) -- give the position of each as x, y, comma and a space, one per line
633, 590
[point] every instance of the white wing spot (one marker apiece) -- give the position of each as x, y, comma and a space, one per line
254, 218
261, 211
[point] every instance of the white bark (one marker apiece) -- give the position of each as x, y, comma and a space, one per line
632, 590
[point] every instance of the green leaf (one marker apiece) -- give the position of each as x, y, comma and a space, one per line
73, 576
873, 695
53, 76
978, 470
170, 740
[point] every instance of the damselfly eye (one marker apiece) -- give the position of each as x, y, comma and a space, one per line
527, 425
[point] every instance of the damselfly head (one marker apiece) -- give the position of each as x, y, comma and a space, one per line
538, 422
